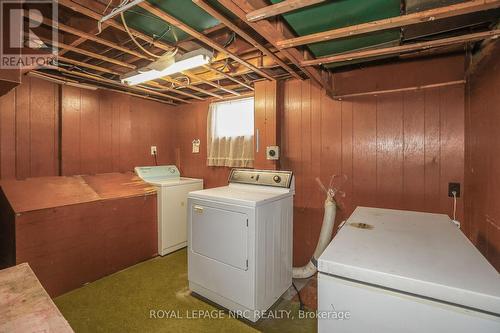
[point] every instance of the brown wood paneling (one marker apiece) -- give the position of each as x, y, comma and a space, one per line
122, 105
432, 149
398, 151
414, 149
89, 131
268, 97
8, 136
71, 104
364, 159
191, 123
113, 132
452, 143
23, 129
390, 170
403, 74
44, 136
106, 147
9, 79
100, 131
31, 145
482, 172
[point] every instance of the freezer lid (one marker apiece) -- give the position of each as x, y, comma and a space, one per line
152, 173
169, 182
413, 252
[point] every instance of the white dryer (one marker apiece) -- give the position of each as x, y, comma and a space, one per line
240, 241
172, 198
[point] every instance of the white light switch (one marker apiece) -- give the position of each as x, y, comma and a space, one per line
153, 150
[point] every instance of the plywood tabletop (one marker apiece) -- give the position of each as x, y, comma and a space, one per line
118, 185
25, 306
47, 192
50, 192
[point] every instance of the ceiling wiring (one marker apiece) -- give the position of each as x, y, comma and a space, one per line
135, 40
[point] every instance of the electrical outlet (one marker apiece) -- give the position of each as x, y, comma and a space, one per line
454, 187
153, 150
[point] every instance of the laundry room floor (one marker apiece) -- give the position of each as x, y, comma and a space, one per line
153, 296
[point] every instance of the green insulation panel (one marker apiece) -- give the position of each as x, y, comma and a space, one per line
184, 10
341, 13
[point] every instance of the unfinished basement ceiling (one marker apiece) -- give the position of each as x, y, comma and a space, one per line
186, 11
163, 25
343, 13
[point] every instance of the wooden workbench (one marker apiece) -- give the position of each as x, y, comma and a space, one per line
74, 230
25, 306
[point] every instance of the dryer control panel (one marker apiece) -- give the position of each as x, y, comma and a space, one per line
261, 177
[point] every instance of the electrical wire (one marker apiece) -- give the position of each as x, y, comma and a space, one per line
134, 40
230, 40
156, 159
300, 298
107, 6
454, 205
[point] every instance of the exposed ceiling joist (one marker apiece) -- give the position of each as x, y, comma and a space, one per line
106, 70
391, 91
95, 16
112, 23
393, 22
100, 79
70, 82
279, 8
190, 86
88, 53
214, 13
177, 91
198, 35
161, 88
273, 35
229, 77
94, 38
402, 48
210, 83
86, 65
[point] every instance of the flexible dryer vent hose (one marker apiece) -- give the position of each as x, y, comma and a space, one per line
325, 235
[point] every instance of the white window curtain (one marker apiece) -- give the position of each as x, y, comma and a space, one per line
230, 127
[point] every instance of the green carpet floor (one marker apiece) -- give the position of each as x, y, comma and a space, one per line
123, 302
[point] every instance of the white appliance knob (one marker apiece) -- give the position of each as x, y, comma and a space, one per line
277, 179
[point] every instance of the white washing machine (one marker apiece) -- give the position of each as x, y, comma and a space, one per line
240, 241
402, 271
172, 204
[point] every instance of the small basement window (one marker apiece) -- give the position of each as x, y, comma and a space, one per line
230, 129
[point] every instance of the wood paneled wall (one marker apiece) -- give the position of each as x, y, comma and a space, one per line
191, 124
482, 172
104, 131
49, 130
402, 74
29, 135
398, 151
268, 108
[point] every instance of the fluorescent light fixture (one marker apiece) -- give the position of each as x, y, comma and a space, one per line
189, 60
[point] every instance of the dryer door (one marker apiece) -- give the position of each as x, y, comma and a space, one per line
221, 235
